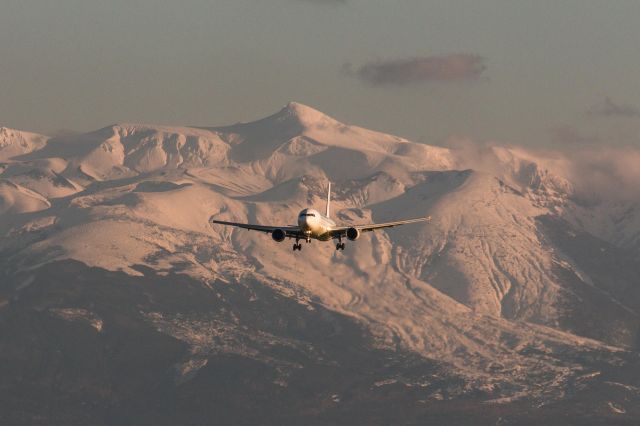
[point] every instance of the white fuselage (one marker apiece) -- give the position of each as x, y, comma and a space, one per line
315, 225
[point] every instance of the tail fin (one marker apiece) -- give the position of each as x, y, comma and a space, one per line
328, 200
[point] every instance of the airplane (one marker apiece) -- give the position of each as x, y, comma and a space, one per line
313, 225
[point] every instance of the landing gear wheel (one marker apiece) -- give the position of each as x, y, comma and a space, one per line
297, 247
340, 246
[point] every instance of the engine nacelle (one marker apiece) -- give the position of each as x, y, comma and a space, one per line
353, 234
278, 235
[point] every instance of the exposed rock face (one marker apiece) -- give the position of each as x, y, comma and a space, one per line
521, 292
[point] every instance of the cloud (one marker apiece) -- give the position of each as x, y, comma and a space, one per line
606, 172
592, 173
568, 136
471, 154
457, 67
609, 108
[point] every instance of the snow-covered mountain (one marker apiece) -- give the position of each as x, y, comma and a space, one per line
522, 290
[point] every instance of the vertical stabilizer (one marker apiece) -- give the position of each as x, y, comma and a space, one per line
328, 199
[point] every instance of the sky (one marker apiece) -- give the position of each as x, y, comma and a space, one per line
533, 73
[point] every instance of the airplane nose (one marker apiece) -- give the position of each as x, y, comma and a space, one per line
309, 223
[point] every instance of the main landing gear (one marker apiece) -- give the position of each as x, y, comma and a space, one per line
340, 246
298, 246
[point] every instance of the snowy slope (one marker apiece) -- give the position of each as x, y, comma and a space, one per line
18, 199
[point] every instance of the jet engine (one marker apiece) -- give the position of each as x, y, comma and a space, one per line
278, 235
353, 234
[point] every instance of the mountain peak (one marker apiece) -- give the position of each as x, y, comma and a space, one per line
299, 108
9, 132
16, 142
304, 114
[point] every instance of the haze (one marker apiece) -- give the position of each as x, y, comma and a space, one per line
534, 73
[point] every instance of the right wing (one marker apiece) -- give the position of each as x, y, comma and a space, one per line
342, 231
290, 231
374, 226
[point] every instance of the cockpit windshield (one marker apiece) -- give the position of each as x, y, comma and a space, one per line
307, 214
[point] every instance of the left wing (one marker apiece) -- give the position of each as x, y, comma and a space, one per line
290, 231
342, 231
